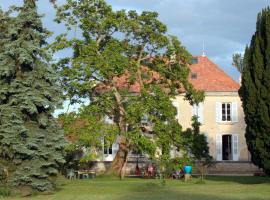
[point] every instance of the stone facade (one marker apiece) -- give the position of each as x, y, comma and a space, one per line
222, 121
211, 127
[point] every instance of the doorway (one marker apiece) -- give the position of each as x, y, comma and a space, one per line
226, 147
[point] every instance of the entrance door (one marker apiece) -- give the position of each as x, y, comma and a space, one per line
227, 147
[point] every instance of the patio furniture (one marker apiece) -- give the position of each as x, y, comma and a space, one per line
85, 174
71, 174
158, 174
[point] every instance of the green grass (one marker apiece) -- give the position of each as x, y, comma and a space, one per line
216, 188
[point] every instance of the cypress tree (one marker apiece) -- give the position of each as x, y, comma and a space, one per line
254, 92
31, 143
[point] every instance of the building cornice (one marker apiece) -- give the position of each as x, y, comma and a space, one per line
218, 93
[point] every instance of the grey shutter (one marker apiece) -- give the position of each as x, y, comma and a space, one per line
234, 112
200, 112
194, 110
218, 147
235, 147
218, 112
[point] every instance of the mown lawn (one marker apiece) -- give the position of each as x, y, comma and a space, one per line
214, 188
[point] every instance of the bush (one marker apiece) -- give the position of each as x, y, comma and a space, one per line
4, 192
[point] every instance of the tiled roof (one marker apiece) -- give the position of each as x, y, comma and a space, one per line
122, 82
209, 77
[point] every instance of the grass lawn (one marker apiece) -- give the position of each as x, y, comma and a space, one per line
214, 188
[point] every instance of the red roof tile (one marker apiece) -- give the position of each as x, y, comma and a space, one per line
210, 77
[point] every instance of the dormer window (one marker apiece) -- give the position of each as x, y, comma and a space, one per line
193, 76
194, 61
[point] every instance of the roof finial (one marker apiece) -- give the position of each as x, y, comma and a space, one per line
203, 53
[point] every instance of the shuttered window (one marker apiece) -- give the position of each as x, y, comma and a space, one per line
107, 148
226, 109
234, 112
218, 147
197, 110
226, 112
235, 147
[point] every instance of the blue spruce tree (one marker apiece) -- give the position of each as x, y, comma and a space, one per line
31, 143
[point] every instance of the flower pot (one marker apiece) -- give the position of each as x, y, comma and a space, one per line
187, 169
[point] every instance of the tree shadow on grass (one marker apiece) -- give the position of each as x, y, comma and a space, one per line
249, 180
155, 191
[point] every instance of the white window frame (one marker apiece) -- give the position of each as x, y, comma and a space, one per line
219, 147
197, 110
226, 112
235, 147
108, 149
234, 143
233, 113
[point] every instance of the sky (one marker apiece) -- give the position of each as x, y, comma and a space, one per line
224, 26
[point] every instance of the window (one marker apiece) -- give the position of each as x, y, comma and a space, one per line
197, 110
193, 75
226, 111
227, 147
107, 148
194, 61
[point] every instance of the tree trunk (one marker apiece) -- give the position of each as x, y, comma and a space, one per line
118, 166
119, 163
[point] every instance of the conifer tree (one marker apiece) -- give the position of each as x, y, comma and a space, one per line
255, 94
31, 143
238, 62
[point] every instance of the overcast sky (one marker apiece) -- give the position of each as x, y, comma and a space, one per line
225, 26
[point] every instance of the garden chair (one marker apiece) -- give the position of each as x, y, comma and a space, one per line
71, 174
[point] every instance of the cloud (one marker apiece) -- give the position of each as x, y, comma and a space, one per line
225, 26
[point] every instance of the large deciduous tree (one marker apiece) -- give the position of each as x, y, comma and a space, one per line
129, 69
255, 94
31, 143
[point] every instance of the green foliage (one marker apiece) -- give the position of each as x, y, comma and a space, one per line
4, 191
193, 145
129, 69
238, 62
255, 94
194, 148
31, 143
199, 149
199, 146
86, 130
170, 165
